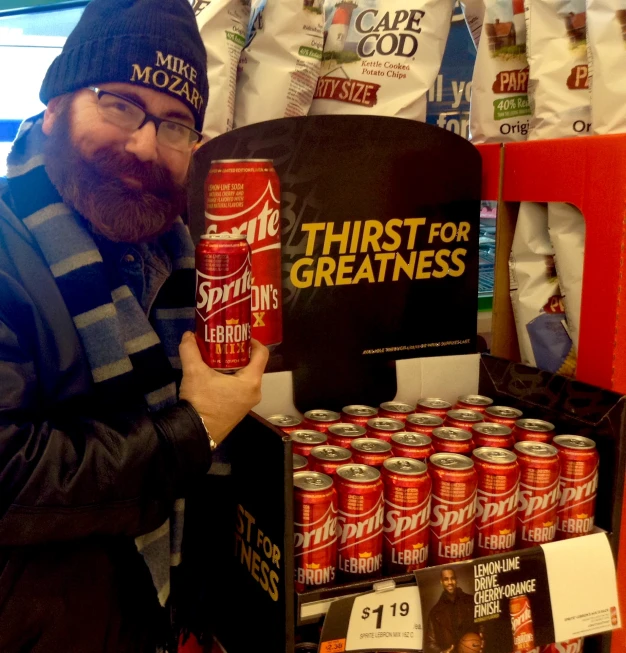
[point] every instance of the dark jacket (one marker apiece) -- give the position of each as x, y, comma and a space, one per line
78, 480
450, 618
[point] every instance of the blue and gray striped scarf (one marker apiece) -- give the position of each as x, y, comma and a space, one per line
128, 356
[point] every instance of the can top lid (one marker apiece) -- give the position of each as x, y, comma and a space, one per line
538, 449
299, 461
359, 410
491, 428
452, 433
397, 407
495, 455
406, 466
424, 419
385, 424
322, 415
434, 402
223, 237
347, 430
284, 420
574, 442
370, 445
330, 452
242, 161
503, 411
411, 439
304, 436
475, 400
465, 415
538, 425
312, 481
358, 473
451, 461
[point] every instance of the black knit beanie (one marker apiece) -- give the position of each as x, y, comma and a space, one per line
151, 43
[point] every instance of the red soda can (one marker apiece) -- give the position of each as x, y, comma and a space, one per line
304, 440
533, 430
453, 508
497, 499
223, 282
489, 434
395, 410
358, 414
343, 434
461, 418
320, 419
539, 493
300, 463
579, 485
370, 451
328, 458
571, 646
360, 515
449, 439
522, 624
474, 402
423, 423
287, 423
407, 515
382, 428
243, 198
503, 415
434, 406
412, 445
315, 530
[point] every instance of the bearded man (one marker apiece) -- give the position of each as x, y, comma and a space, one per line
107, 418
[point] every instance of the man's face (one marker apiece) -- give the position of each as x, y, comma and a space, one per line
448, 580
126, 184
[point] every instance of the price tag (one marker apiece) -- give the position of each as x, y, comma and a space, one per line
375, 621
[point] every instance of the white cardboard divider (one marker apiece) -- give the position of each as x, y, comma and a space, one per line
446, 377
277, 392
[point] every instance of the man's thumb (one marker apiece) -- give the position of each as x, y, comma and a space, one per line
188, 350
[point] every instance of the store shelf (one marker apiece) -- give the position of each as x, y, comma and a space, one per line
590, 173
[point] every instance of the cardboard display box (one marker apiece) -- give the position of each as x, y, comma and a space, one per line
248, 562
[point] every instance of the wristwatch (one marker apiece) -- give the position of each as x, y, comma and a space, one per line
212, 443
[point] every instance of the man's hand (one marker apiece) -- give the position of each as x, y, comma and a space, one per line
449, 650
222, 400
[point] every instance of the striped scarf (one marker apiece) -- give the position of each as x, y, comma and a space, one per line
131, 361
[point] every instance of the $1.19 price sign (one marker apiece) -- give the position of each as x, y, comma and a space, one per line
375, 621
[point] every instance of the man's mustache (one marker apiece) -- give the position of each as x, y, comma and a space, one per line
113, 166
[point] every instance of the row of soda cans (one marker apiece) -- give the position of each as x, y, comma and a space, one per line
368, 504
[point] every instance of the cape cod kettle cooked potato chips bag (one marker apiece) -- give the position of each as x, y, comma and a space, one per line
606, 34
223, 25
381, 56
280, 63
542, 332
558, 83
499, 108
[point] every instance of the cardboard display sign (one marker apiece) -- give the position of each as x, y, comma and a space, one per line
379, 233
511, 602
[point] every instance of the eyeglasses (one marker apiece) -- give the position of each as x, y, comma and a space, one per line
128, 115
